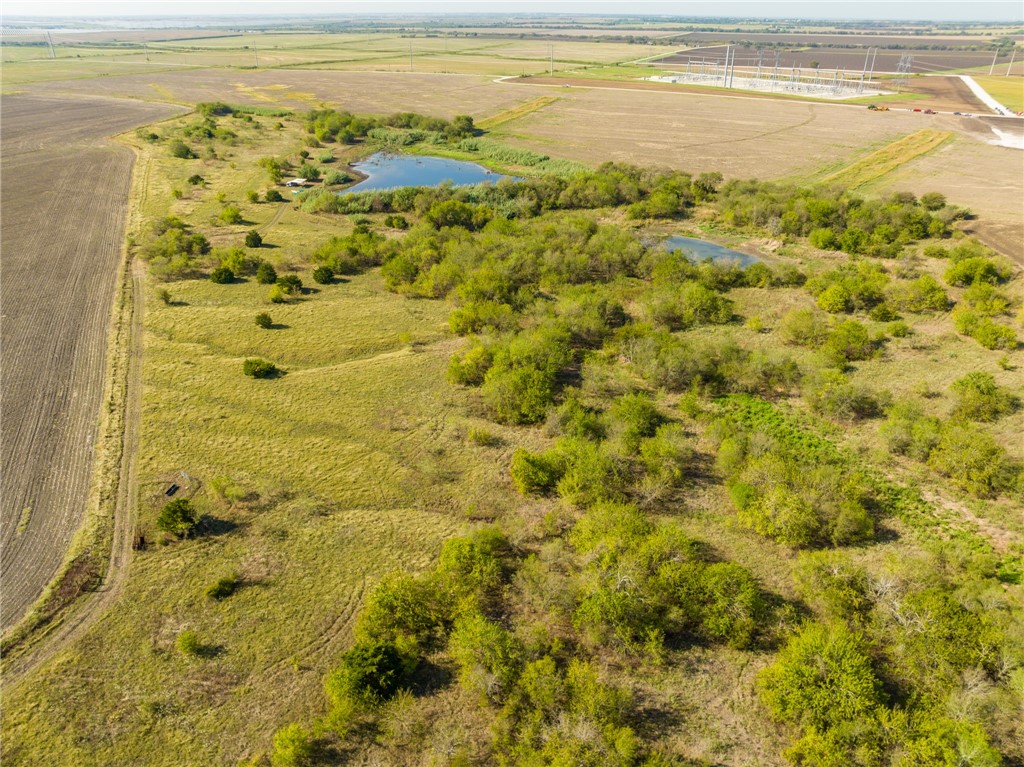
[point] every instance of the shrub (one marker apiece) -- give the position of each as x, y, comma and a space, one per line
293, 747
252, 195
634, 417
231, 215
259, 368
222, 275
181, 150
535, 473
977, 269
471, 367
849, 341
731, 604
178, 517
924, 294
883, 313
908, 431
483, 438
266, 274
274, 196
518, 395
972, 460
989, 334
395, 221
188, 644
823, 678
489, 657
323, 275
370, 673
224, 587
165, 296
979, 398
899, 329
253, 239
831, 394
986, 300
196, 180
263, 321
290, 284
803, 327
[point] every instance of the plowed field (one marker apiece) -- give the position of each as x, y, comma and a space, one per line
63, 199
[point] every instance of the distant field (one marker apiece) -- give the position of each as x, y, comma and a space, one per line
849, 40
440, 95
837, 58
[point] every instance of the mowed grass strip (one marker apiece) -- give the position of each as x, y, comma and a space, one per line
888, 158
488, 123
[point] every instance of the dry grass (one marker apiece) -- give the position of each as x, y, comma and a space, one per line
888, 158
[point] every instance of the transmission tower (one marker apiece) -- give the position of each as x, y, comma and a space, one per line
903, 70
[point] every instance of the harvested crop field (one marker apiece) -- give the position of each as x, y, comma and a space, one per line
737, 135
63, 197
904, 42
848, 59
376, 92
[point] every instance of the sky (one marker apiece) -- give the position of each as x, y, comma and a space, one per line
926, 10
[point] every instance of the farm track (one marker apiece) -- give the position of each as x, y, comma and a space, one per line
63, 198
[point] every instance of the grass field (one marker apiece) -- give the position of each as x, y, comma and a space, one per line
888, 158
489, 123
1008, 91
352, 464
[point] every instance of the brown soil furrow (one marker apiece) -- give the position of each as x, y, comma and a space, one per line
63, 197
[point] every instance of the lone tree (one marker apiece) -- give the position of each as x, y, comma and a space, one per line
263, 320
178, 517
253, 239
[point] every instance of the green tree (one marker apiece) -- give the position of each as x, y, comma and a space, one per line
323, 275
178, 517
222, 275
263, 321
180, 149
231, 215
266, 274
259, 368
370, 673
823, 678
253, 239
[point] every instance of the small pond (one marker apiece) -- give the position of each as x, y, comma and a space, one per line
390, 171
698, 250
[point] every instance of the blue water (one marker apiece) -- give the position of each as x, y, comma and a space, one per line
389, 171
698, 250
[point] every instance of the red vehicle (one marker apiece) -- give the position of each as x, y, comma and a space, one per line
917, 110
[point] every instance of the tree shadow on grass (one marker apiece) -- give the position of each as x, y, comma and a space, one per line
212, 526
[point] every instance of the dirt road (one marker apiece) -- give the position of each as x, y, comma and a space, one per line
63, 198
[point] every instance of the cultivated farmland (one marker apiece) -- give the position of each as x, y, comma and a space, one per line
64, 194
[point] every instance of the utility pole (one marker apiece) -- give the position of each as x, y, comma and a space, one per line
146, 49
551, 64
864, 71
994, 57
256, 54
1013, 55
410, 55
50, 41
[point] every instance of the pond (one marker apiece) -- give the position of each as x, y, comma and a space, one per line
698, 250
389, 171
